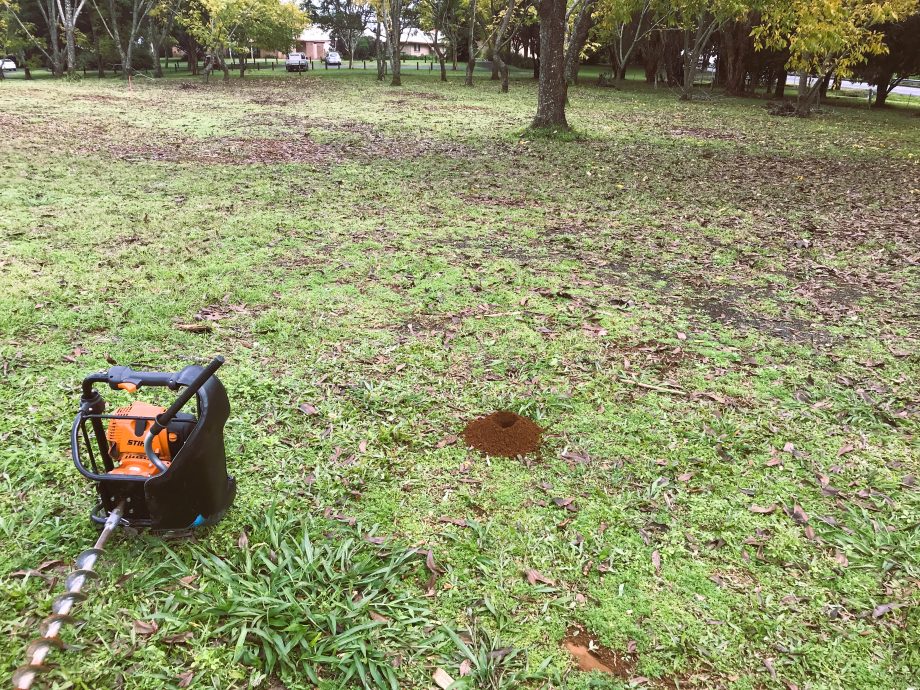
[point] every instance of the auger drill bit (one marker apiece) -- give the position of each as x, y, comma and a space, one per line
50, 629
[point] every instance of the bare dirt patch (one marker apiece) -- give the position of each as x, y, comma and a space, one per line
702, 133
591, 655
503, 434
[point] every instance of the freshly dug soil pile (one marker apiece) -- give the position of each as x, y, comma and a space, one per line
503, 434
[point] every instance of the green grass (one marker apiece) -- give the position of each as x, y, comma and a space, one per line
707, 308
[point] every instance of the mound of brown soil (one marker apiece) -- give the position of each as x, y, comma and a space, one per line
503, 434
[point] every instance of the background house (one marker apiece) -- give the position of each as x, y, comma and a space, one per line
417, 43
313, 42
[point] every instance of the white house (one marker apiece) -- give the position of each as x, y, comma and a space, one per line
315, 43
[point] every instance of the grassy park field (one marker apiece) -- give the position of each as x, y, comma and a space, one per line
712, 312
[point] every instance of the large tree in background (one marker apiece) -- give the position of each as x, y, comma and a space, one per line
499, 38
23, 25
827, 36
900, 61
225, 26
551, 92
735, 49
160, 23
123, 24
47, 42
399, 15
439, 19
345, 20
579, 23
471, 45
626, 24
697, 21
69, 13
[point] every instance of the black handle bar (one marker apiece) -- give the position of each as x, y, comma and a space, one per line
164, 418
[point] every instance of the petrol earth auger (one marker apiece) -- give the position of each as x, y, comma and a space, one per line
154, 468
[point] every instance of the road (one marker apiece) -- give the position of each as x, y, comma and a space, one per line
860, 86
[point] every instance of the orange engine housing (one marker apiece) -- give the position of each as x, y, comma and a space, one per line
126, 440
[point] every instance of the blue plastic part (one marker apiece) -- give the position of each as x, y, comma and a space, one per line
199, 521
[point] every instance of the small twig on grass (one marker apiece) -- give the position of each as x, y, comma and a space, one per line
659, 389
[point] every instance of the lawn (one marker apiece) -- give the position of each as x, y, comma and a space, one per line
711, 311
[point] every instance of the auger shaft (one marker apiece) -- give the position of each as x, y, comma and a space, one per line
40, 647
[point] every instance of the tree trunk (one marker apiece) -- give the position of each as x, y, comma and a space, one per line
394, 35
807, 94
49, 12
155, 56
26, 72
825, 84
689, 69
502, 68
882, 84
69, 21
97, 49
129, 59
736, 46
577, 37
552, 94
780, 91
650, 52
471, 46
216, 57
672, 61
381, 59
443, 68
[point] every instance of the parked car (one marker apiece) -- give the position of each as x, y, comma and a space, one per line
7, 65
296, 62
333, 59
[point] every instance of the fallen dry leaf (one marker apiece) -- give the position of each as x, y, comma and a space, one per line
307, 409
178, 638
459, 522
761, 510
465, 667
535, 576
882, 609
243, 540
145, 627
768, 663
799, 515
656, 561
194, 327
378, 617
442, 679
448, 440
185, 679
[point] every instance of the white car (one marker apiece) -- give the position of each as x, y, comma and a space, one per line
333, 58
296, 62
7, 65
